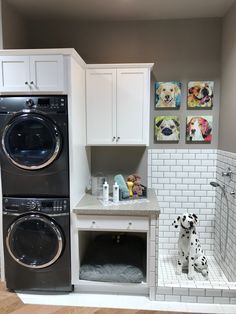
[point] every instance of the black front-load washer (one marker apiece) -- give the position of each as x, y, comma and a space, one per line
36, 235
34, 146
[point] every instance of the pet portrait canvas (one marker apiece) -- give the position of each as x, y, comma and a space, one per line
167, 95
199, 129
200, 95
167, 128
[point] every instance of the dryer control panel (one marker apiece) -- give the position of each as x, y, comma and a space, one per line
43, 205
45, 104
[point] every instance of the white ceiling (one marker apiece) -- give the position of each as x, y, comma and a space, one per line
121, 9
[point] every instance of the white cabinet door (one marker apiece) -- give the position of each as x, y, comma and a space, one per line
46, 73
14, 73
132, 106
101, 106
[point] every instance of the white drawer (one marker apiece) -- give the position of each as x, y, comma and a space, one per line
125, 223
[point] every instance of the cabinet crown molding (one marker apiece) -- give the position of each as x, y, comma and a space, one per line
120, 65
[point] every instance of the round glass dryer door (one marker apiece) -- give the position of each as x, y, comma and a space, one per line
31, 141
34, 241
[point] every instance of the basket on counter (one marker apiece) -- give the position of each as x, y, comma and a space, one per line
135, 196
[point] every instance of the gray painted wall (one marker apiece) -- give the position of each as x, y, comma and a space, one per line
227, 138
181, 50
14, 28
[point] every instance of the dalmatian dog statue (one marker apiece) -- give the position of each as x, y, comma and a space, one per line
190, 252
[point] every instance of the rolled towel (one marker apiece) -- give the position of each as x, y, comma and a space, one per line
119, 179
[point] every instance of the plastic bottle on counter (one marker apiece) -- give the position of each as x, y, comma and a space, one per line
105, 192
115, 193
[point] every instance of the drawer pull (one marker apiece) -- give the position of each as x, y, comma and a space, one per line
93, 222
130, 223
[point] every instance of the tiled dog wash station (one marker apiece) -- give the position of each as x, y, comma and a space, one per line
182, 179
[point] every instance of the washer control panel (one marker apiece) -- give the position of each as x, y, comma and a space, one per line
43, 205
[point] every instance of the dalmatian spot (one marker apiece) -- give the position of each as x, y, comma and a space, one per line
192, 258
194, 232
184, 217
176, 226
179, 263
178, 218
183, 235
187, 231
187, 258
183, 253
191, 243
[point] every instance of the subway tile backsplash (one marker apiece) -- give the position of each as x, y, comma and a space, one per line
181, 178
225, 160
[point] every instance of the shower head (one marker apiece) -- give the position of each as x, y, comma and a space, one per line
214, 184
217, 185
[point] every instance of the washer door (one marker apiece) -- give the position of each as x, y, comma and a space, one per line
31, 141
34, 241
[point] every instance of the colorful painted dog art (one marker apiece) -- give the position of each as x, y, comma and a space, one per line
167, 95
200, 95
199, 129
167, 128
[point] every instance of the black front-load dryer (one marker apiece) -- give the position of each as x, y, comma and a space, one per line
36, 235
34, 148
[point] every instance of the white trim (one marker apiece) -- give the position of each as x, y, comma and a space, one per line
112, 287
120, 65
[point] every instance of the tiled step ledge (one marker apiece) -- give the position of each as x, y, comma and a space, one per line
196, 295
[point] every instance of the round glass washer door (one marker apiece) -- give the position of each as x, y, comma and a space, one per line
34, 241
31, 141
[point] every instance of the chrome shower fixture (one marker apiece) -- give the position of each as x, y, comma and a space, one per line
217, 185
227, 173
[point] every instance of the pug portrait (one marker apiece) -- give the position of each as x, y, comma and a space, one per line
167, 128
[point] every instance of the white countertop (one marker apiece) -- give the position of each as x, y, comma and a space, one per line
89, 204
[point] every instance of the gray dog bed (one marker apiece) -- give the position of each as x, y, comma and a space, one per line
114, 258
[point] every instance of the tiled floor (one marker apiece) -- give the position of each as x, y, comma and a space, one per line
167, 275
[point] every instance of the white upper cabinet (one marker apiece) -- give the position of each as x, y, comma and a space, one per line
101, 106
132, 95
118, 105
36, 73
14, 73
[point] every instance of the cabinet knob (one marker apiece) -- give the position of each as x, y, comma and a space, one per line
32, 82
113, 138
117, 139
26, 83
93, 222
130, 223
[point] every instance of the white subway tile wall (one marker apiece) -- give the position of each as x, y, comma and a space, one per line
224, 161
181, 178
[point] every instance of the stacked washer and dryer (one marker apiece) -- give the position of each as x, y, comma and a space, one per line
35, 187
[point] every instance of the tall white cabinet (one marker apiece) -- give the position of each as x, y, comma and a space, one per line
118, 104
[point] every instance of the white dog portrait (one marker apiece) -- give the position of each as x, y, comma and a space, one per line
167, 128
190, 252
199, 129
167, 95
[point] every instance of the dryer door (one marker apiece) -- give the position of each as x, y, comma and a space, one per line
31, 141
34, 241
